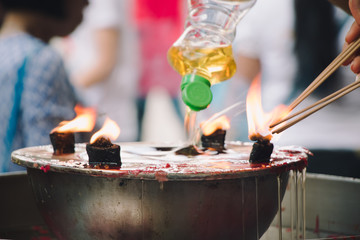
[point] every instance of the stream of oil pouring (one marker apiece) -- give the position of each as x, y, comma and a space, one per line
193, 129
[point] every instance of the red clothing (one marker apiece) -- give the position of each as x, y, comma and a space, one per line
160, 23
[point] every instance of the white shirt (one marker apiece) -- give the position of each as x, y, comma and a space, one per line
267, 33
116, 96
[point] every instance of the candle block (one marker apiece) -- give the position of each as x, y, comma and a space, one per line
102, 153
62, 142
214, 141
261, 151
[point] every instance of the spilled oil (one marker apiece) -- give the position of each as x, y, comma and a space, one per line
295, 216
190, 126
192, 129
257, 207
279, 205
243, 206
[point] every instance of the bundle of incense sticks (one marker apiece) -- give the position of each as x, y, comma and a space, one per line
335, 64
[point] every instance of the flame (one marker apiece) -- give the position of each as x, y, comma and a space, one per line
110, 129
258, 120
210, 126
83, 122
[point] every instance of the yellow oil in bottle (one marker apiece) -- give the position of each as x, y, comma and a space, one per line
215, 64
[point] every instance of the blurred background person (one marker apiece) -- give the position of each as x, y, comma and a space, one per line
159, 24
300, 39
102, 59
35, 92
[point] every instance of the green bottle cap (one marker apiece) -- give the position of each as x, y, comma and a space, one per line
196, 92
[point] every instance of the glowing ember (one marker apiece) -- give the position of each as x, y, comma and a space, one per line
209, 127
83, 122
110, 129
258, 120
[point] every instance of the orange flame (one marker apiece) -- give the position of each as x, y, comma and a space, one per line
83, 122
210, 126
110, 129
258, 120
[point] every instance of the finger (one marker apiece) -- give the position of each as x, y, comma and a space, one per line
353, 33
355, 65
354, 6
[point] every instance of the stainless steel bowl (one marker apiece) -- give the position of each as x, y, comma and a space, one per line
156, 195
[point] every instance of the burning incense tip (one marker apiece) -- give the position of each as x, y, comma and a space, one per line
62, 142
102, 153
261, 151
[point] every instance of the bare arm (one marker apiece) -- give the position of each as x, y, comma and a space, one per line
106, 49
248, 67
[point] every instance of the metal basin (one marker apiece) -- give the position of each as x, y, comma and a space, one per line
157, 195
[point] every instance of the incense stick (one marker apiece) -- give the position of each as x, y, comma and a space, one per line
335, 64
317, 106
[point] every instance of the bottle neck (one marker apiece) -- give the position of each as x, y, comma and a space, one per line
216, 25
220, 17
198, 72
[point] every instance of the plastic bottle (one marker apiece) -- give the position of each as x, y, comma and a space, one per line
203, 53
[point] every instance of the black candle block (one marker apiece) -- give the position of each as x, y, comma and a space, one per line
261, 151
189, 151
214, 141
102, 153
62, 142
